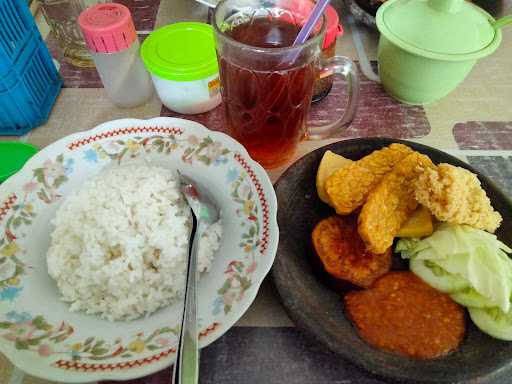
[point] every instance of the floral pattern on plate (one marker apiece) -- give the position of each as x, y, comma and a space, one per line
44, 186
74, 347
36, 334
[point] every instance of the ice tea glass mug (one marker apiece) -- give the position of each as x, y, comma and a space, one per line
266, 83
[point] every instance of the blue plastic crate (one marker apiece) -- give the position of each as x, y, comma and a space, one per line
17, 32
26, 100
29, 81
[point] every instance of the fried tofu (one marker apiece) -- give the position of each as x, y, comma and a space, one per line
343, 253
348, 188
391, 202
455, 195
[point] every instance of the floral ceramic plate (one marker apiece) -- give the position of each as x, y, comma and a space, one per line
37, 331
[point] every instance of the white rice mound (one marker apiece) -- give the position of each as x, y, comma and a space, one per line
120, 244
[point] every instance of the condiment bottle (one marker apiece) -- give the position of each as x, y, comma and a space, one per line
110, 35
332, 31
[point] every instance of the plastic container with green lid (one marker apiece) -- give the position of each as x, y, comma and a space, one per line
182, 61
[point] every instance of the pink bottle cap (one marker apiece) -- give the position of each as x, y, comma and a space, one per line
107, 28
333, 28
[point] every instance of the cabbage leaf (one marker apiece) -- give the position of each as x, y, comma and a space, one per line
455, 254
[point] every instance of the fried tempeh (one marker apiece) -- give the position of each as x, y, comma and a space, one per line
349, 187
391, 202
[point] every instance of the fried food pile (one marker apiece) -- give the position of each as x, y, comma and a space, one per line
391, 202
395, 192
388, 185
349, 187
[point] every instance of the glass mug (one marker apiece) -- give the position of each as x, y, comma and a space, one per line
267, 84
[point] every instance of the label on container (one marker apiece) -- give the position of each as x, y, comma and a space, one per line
214, 87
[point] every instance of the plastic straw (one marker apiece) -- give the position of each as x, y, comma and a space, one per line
306, 29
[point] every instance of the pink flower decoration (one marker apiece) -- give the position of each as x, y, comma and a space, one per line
251, 268
30, 187
22, 331
162, 341
45, 350
193, 140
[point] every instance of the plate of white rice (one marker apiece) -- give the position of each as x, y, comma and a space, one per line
121, 242
94, 242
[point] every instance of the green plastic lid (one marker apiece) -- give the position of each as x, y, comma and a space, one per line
13, 156
437, 28
181, 52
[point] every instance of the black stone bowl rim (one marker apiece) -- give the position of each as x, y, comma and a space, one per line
381, 363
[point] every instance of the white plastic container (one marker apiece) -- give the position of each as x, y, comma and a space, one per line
183, 65
189, 97
110, 35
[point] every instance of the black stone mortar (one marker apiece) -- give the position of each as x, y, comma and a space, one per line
316, 306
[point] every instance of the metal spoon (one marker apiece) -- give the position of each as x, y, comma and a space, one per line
204, 213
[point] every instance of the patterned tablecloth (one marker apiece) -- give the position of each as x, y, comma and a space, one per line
474, 123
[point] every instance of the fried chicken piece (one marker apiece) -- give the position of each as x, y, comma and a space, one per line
454, 194
391, 202
343, 254
348, 187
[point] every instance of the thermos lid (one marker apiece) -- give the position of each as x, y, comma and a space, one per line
439, 29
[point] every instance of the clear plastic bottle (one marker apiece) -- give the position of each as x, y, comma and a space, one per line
110, 35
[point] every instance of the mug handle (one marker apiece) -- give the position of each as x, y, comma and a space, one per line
344, 67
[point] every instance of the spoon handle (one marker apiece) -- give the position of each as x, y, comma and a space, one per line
186, 368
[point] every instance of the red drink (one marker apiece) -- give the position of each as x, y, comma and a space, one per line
266, 96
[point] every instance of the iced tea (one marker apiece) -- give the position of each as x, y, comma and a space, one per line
266, 97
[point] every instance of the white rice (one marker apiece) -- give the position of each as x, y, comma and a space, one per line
120, 244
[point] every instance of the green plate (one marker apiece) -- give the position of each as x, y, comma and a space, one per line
13, 156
